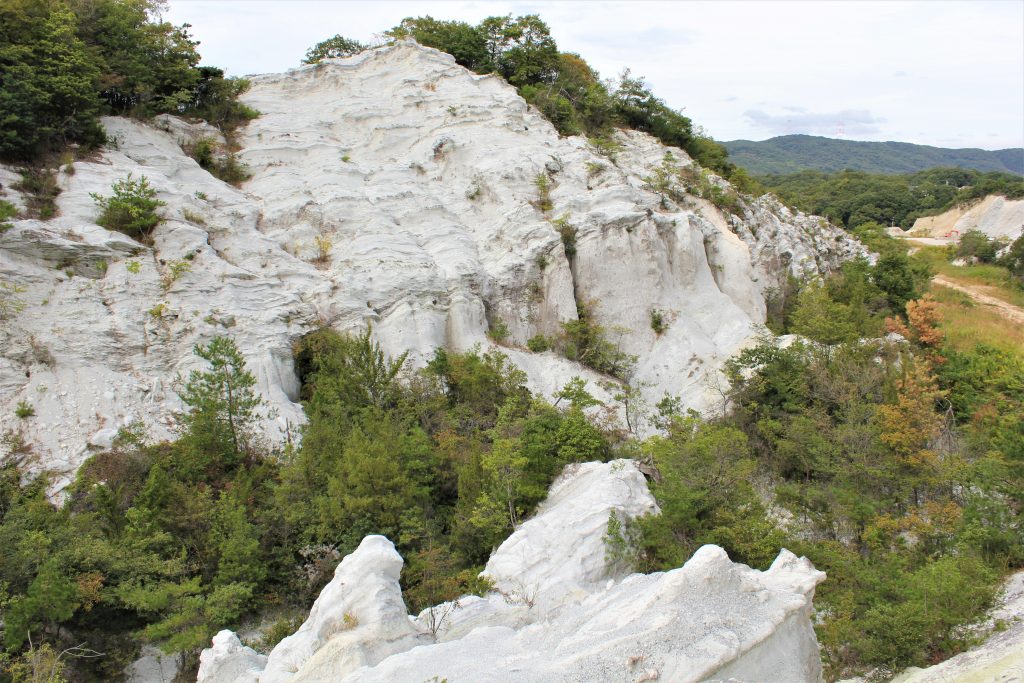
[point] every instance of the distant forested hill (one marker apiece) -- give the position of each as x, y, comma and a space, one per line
792, 153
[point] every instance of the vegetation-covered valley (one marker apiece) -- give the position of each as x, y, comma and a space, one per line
883, 439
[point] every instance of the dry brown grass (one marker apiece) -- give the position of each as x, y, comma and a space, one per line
967, 324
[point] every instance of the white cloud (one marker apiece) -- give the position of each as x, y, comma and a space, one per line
850, 122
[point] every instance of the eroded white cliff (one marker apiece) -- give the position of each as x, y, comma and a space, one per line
393, 189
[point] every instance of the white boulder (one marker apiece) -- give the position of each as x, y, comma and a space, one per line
229, 660
358, 620
557, 557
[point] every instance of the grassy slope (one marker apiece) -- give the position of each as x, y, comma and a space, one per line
996, 277
964, 322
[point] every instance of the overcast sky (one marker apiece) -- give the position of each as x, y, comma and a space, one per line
942, 73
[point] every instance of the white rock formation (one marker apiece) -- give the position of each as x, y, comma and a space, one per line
153, 666
416, 179
996, 216
358, 620
229, 660
708, 620
557, 557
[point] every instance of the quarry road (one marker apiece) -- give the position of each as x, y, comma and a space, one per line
978, 295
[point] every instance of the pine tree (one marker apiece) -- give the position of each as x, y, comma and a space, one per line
219, 426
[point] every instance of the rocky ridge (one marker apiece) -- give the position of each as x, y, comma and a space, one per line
565, 616
393, 189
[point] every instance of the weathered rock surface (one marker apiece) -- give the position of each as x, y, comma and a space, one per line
557, 557
708, 620
393, 189
229, 660
997, 217
358, 620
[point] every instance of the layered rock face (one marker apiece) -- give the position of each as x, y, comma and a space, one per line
393, 189
560, 612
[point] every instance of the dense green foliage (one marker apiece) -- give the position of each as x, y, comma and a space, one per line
794, 153
337, 46
63, 63
851, 198
171, 542
897, 469
131, 209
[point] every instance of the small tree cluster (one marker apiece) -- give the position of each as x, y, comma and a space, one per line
131, 209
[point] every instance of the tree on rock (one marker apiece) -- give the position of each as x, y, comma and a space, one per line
338, 46
219, 425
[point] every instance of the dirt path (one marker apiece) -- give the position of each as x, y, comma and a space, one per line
978, 295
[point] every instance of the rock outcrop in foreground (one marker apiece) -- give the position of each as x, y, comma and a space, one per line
394, 189
558, 614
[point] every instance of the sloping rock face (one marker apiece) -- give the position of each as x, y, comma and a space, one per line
997, 217
393, 189
557, 557
711, 619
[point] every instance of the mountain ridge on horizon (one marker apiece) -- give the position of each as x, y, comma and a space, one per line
800, 152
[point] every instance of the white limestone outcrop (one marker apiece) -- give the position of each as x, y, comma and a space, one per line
557, 557
358, 620
996, 216
711, 619
394, 189
229, 660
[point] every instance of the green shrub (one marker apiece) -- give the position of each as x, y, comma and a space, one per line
131, 209
538, 343
229, 168
567, 231
587, 342
658, 323
40, 184
543, 185
498, 330
24, 410
338, 46
974, 244
7, 211
202, 150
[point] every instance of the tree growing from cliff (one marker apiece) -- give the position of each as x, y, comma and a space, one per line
131, 209
219, 427
337, 46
